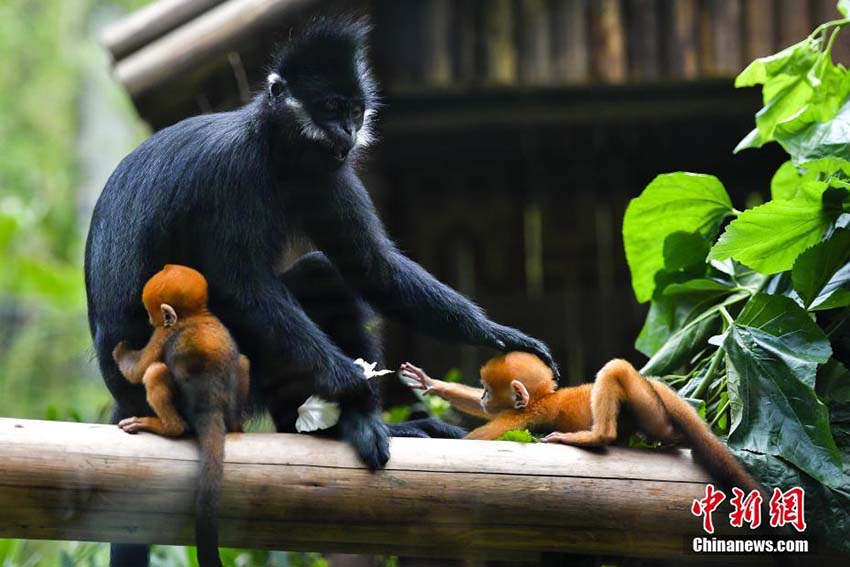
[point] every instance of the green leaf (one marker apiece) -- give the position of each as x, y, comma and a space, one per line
685, 252
827, 509
676, 306
820, 139
833, 388
518, 436
794, 60
836, 292
702, 286
682, 345
785, 182
774, 409
768, 238
793, 328
671, 203
844, 8
816, 266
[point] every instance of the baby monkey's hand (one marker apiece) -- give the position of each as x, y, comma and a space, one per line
416, 378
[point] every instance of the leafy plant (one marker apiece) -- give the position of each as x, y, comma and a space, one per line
747, 319
518, 436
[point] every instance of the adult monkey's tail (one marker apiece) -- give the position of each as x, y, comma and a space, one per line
211, 430
708, 449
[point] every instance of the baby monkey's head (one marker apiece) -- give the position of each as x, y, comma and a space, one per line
175, 291
510, 381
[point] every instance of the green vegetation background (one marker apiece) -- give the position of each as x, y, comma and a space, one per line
64, 125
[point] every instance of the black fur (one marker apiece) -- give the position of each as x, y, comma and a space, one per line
224, 193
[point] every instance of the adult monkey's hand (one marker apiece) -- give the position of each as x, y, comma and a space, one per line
508, 339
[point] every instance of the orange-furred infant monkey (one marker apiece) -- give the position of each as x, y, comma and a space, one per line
192, 361
520, 393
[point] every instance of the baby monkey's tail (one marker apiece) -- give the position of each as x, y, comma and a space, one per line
708, 449
211, 430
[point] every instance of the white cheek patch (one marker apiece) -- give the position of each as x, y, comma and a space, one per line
308, 128
366, 135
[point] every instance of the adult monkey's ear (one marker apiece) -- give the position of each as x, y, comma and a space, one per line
276, 85
521, 396
169, 315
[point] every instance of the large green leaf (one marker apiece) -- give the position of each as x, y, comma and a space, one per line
774, 409
816, 266
833, 388
820, 139
787, 87
785, 182
671, 203
827, 509
682, 345
768, 238
792, 326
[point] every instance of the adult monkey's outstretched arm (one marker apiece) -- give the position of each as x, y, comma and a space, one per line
351, 234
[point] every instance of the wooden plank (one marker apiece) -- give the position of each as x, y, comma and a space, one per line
759, 29
643, 36
497, 48
570, 56
82, 481
683, 34
608, 42
208, 37
150, 22
533, 44
794, 21
725, 21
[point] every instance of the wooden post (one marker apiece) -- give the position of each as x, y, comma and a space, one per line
533, 45
759, 29
608, 47
79, 481
569, 41
683, 18
497, 47
643, 38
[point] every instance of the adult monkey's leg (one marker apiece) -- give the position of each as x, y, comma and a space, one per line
337, 309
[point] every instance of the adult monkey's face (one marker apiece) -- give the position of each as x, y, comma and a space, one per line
322, 83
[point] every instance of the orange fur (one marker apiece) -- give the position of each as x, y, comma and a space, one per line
191, 353
520, 393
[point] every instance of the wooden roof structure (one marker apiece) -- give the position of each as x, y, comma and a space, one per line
177, 58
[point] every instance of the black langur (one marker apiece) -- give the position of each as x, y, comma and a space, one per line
225, 193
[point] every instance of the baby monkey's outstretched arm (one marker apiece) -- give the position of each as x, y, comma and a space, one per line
462, 397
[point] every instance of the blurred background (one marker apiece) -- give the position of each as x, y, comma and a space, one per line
513, 135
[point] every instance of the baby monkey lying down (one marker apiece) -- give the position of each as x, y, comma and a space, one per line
519, 392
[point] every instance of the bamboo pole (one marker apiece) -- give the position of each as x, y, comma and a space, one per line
78, 481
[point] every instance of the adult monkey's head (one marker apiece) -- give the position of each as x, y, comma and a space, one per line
321, 90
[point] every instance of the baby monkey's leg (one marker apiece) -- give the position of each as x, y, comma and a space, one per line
618, 381
160, 389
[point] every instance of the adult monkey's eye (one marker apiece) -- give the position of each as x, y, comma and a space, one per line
329, 105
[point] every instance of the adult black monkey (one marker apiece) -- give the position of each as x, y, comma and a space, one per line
224, 193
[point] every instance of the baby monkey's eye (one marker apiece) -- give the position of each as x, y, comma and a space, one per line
357, 112
330, 105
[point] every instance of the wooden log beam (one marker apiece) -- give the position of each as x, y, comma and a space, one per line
150, 22
78, 481
210, 35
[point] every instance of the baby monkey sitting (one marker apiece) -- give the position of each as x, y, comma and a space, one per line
191, 362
